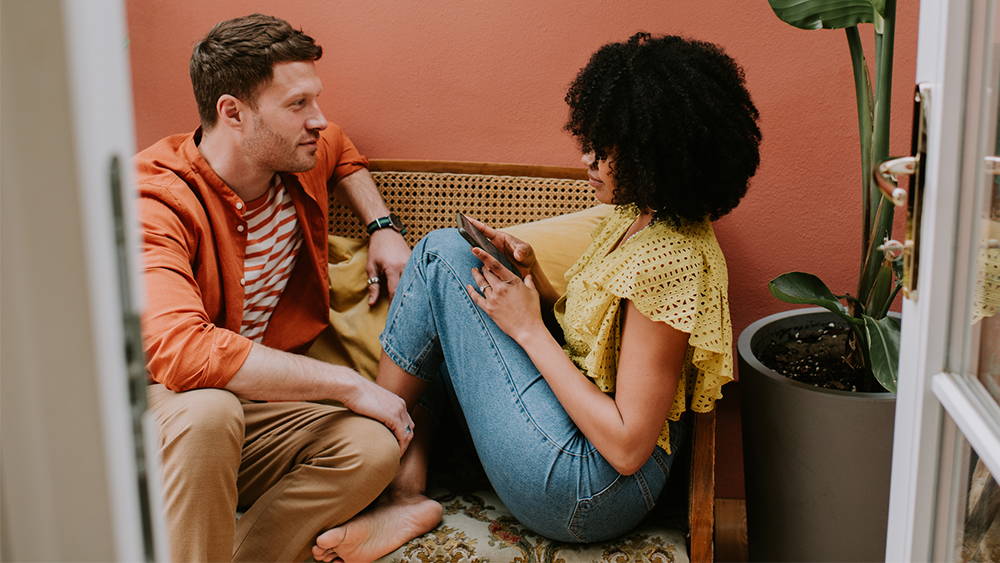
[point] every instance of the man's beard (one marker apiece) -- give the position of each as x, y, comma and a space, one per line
268, 148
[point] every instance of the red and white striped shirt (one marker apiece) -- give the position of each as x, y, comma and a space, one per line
273, 242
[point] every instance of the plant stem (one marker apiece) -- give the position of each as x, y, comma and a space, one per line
863, 94
883, 84
881, 209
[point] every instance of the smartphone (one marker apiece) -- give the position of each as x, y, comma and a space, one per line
477, 238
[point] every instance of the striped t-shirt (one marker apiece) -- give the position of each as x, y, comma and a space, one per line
273, 241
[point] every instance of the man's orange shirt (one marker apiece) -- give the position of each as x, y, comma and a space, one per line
194, 243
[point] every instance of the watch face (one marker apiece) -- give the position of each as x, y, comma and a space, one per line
396, 222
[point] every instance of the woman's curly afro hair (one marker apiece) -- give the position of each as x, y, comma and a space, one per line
675, 117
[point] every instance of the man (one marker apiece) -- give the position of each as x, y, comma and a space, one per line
234, 219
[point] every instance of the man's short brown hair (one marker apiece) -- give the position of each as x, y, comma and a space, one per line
237, 57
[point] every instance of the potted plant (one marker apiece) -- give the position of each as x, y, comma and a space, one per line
817, 456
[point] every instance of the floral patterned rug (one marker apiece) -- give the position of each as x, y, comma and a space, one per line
477, 527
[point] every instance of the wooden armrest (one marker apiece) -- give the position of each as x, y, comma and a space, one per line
701, 497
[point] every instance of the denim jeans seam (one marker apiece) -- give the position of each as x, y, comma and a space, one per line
584, 504
413, 367
573, 527
404, 364
644, 488
660, 462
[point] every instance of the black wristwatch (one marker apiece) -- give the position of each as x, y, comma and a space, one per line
392, 220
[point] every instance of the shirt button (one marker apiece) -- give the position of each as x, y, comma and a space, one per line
239, 205
239, 228
243, 281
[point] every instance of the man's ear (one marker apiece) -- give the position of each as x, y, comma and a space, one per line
231, 111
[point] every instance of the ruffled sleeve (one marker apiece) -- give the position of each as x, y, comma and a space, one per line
681, 279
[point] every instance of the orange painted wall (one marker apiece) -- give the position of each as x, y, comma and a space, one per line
484, 80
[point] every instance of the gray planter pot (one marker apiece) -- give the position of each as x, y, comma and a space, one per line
816, 461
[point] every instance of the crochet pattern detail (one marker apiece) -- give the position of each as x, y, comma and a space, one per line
986, 296
675, 275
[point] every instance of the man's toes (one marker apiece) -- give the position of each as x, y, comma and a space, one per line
330, 539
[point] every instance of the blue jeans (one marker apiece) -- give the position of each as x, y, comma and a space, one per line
545, 470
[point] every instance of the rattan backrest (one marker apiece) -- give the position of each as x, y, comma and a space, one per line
427, 194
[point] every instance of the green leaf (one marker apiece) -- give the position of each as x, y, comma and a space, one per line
826, 14
806, 289
881, 231
883, 350
880, 291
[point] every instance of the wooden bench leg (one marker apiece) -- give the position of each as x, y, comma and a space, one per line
701, 510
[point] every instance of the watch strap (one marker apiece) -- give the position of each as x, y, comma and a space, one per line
380, 223
383, 222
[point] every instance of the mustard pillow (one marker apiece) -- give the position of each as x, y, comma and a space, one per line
352, 337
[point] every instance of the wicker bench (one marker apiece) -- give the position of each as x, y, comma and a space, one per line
476, 526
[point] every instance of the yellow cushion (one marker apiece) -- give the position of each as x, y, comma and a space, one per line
352, 337
559, 241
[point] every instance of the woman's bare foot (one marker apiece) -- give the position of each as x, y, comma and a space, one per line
378, 530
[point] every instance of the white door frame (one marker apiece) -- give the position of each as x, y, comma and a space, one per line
69, 473
926, 441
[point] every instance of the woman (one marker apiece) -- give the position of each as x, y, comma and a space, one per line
578, 438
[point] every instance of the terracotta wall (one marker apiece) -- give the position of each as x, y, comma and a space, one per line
484, 80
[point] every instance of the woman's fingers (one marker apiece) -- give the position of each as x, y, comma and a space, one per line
492, 266
487, 230
478, 277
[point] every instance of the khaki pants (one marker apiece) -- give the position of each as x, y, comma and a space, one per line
295, 469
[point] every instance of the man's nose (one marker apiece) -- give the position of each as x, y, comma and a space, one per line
588, 159
316, 119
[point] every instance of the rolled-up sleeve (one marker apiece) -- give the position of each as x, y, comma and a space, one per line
184, 348
348, 159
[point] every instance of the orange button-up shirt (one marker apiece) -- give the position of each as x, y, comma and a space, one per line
194, 245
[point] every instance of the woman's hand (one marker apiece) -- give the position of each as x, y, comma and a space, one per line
514, 248
512, 304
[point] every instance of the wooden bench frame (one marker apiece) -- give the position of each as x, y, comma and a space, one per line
701, 482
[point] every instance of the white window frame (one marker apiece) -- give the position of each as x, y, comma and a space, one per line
936, 407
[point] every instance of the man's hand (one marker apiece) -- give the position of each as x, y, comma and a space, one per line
273, 375
370, 400
387, 250
387, 256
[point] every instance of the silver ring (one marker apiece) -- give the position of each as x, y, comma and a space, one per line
372, 280
482, 288
408, 429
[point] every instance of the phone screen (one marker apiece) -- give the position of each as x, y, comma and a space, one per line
475, 237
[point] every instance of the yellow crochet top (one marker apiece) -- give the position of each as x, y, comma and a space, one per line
986, 297
676, 275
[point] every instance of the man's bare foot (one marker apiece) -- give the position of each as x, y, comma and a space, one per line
379, 530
